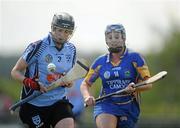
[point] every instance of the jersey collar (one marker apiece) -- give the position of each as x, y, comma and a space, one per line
109, 55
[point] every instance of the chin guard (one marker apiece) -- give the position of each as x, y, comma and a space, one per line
117, 50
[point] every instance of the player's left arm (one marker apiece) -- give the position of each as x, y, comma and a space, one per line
142, 71
69, 84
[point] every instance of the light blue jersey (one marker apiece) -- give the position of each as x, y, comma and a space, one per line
38, 55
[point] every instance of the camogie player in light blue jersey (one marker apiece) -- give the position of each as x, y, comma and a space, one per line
121, 68
51, 109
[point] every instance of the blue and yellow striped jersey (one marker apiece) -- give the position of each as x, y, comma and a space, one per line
132, 68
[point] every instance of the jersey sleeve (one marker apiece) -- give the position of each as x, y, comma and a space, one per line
72, 57
93, 73
28, 54
141, 66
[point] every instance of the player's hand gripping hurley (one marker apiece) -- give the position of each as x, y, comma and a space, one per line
151, 80
78, 71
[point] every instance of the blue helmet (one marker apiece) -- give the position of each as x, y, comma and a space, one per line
63, 20
115, 45
118, 28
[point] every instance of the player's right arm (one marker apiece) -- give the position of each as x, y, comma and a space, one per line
17, 70
22, 63
89, 100
87, 82
20, 67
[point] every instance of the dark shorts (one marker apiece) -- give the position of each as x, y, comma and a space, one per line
44, 117
127, 114
126, 122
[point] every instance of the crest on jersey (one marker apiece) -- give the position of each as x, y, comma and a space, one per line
127, 73
36, 119
68, 58
107, 74
48, 58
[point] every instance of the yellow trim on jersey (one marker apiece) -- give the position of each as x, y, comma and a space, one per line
91, 73
116, 64
137, 96
143, 71
97, 68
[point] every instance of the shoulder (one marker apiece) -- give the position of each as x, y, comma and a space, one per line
101, 58
133, 54
33, 46
136, 57
70, 46
99, 61
31, 50
36, 43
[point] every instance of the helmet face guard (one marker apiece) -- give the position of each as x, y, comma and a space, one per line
115, 36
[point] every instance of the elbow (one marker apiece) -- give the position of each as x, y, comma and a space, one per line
84, 86
15, 74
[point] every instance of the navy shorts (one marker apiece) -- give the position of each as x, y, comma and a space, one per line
44, 117
126, 122
127, 114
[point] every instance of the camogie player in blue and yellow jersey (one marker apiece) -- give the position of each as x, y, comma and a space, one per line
51, 109
120, 68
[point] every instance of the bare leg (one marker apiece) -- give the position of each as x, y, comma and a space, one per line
106, 121
65, 123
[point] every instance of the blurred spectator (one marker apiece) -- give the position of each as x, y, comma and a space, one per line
76, 99
5, 103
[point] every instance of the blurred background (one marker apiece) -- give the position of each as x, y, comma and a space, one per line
153, 29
